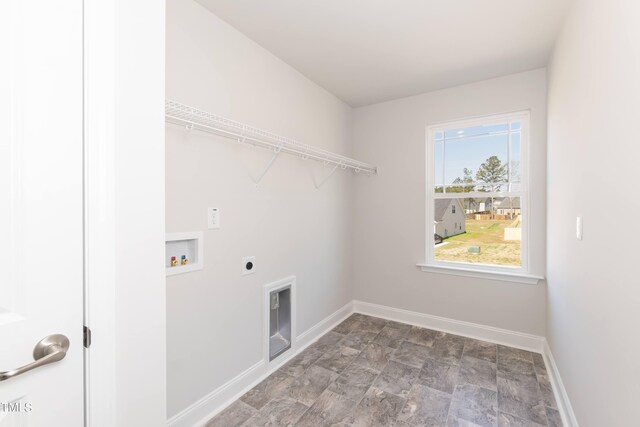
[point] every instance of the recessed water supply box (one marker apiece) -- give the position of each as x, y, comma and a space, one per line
280, 317
183, 252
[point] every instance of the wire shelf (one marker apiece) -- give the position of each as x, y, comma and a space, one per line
193, 118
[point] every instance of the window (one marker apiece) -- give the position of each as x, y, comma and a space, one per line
478, 193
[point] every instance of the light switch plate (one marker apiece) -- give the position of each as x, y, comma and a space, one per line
213, 218
579, 228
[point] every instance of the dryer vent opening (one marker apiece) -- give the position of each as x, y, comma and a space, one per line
279, 321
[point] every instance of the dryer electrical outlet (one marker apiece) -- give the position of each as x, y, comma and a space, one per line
248, 265
213, 218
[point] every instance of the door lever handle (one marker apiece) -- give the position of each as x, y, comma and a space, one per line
52, 348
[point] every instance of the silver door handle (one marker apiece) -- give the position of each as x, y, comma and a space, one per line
50, 349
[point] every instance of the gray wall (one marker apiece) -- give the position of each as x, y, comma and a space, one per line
593, 295
390, 209
215, 315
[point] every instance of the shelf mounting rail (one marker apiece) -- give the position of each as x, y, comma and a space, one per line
193, 118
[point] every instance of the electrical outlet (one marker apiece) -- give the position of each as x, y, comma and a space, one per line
213, 218
248, 265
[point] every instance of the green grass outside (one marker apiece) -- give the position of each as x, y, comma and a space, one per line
489, 235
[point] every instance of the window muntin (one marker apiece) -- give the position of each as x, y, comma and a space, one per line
478, 168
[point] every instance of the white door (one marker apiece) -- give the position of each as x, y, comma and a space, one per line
41, 204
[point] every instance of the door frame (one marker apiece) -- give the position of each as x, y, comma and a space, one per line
125, 367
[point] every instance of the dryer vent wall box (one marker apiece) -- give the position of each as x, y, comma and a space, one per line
279, 319
279, 322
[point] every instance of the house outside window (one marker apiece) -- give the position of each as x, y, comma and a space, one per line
477, 194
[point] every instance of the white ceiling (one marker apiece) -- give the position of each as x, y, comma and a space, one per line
367, 51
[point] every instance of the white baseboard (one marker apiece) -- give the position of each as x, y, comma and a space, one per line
210, 405
472, 330
562, 398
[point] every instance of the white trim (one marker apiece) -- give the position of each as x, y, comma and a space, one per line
266, 303
523, 194
515, 277
100, 24
476, 194
466, 329
113, 364
466, 122
560, 393
216, 401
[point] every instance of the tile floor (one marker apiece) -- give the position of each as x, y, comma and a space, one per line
372, 372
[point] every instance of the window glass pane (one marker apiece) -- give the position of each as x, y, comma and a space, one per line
516, 126
438, 165
516, 155
479, 159
438, 135
481, 231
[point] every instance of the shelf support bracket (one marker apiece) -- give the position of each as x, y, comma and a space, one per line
276, 153
326, 178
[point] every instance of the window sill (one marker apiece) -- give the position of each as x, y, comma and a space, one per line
482, 274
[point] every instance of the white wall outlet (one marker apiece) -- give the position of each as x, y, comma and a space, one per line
248, 265
579, 228
213, 218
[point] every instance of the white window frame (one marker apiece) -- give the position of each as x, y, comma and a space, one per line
513, 274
